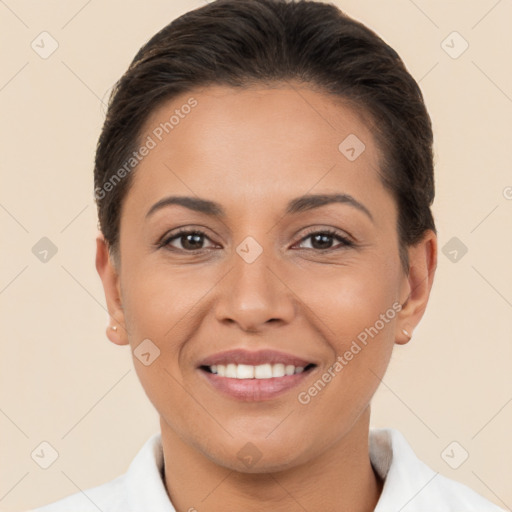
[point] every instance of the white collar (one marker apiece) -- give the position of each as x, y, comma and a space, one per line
409, 484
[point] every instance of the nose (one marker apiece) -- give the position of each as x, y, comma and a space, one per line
253, 295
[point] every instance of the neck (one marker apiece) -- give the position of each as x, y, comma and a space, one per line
341, 478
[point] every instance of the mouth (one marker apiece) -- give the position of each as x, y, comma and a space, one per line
262, 371
255, 376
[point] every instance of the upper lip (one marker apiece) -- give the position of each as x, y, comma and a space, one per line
254, 358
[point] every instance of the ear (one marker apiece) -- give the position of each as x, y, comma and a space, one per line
416, 286
111, 286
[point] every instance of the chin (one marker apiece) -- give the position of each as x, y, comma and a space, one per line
259, 455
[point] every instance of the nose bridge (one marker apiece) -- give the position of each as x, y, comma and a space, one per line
252, 294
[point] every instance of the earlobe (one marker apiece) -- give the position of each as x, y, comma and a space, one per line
417, 286
116, 328
407, 336
115, 334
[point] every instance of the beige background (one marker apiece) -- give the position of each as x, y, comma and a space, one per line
63, 382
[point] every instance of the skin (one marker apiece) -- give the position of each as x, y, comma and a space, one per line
252, 151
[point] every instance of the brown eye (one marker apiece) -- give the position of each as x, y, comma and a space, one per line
323, 240
187, 241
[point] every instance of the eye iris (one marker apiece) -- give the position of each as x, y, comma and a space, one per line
321, 241
196, 239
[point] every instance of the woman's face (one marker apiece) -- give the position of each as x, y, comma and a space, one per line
294, 263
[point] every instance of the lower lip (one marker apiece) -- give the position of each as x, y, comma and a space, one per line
255, 390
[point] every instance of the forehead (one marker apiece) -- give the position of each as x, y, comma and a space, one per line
294, 113
257, 141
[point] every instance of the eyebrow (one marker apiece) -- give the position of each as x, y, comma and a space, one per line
297, 205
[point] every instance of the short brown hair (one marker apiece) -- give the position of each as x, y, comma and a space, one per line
240, 43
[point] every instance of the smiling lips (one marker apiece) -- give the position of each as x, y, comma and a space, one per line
254, 376
262, 371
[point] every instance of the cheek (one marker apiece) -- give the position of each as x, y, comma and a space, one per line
346, 300
159, 300
356, 311
158, 306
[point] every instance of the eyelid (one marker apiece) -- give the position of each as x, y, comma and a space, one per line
327, 229
177, 233
345, 240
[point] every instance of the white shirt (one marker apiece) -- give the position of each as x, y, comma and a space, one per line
409, 484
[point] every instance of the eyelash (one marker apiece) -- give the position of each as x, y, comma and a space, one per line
346, 242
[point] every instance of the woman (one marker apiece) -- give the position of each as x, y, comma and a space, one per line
264, 180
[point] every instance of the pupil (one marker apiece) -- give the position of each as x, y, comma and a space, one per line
196, 239
325, 241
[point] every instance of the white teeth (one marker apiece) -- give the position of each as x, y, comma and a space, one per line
231, 371
278, 370
262, 371
244, 371
290, 369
